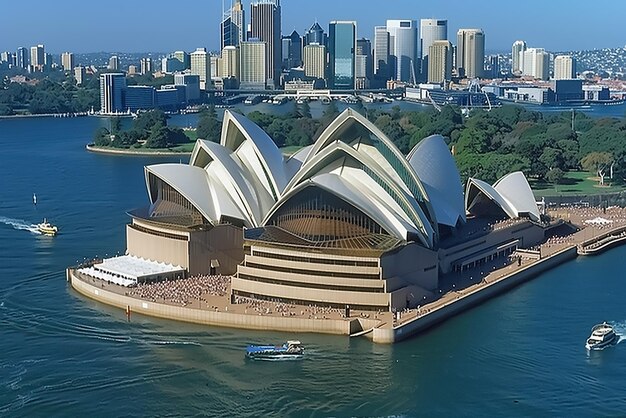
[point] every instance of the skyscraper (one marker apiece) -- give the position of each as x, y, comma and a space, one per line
431, 30
315, 35
230, 62
114, 63
37, 57
67, 61
364, 70
403, 49
470, 59
292, 50
252, 64
233, 26
341, 54
112, 89
183, 58
564, 67
201, 66
516, 56
381, 55
315, 61
536, 63
21, 57
440, 61
265, 19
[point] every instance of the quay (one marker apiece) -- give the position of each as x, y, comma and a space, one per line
458, 292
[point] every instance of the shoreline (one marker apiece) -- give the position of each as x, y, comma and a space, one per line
128, 152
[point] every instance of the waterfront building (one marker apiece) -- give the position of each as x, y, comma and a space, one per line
201, 66
517, 57
315, 35
37, 57
315, 61
139, 98
232, 28
146, 65
440, 61
564, 67
79, 75
292, 50
252, 65
191, 82
170, 97
114, 63
265, 16
230, 63
431, 30
112, 91
341, 54
536, 63
403, 50
470, 59
381, 55
67, 61
21, 58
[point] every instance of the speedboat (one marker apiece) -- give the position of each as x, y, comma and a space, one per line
291, 350
46, 228
601, 336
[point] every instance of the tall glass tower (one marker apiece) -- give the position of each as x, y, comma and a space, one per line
265, 18
341, 54
232, 28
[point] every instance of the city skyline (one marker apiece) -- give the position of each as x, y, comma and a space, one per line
202, 26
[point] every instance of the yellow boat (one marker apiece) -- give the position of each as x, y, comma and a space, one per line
46, 228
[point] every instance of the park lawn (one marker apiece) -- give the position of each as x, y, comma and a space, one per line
575, 183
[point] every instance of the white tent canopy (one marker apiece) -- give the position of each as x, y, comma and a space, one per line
138, 269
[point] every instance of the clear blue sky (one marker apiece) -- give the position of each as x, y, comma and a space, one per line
157, 25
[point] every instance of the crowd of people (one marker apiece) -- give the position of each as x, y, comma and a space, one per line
183, 291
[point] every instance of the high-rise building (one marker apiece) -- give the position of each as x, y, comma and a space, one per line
21, 57
315, 61
146, 65
403, 49
265, 16
67, 61
381, 55
112, 90
494, 66
292, 50
201, 66
230, 62
183, 58
37, 57
315, 35
536, 63
440, 61
79, 75
341, 54
233, 26
252, 65
564, 67
470, 59
215, 62
191, 83
517, 56
132, 70
114, 63
364, 68
431, 30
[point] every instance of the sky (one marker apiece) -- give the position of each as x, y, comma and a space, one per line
164, 26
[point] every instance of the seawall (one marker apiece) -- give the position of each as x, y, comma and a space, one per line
134, 153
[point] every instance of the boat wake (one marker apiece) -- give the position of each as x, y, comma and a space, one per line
20, 224
620, 330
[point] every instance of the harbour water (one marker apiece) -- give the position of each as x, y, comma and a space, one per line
521, 354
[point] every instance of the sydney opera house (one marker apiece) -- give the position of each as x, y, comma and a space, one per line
349, 220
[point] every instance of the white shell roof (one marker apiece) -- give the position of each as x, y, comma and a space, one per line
515, 189
432, 161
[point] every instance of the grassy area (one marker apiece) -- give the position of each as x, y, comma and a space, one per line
575, 183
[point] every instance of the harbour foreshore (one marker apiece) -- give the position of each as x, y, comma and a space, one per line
138, 153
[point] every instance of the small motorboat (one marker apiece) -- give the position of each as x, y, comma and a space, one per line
46, 228
291, 350
601, 336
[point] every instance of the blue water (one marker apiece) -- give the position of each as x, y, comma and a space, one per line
521, 354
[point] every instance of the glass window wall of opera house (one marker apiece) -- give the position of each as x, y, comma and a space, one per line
349, 220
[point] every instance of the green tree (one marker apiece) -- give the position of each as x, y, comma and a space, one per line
555, 176
209, 127
598, 163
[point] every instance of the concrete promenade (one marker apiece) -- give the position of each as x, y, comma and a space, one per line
135, 153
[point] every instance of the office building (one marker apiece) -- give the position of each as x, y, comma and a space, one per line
291, 50
315, 61
171, 64
233, 26
230, 62
146, 65
431, 30
37, 57
564, 67
252, 65
183, 58
201, 66
536, 63
381, 55
21, 58
67, 61
114, 63
403, 50
470, 59
315, 35
265, 16
517, 56
191, 83
139, 98
364, 68
112, 91
440, 61
341, 54
494, 66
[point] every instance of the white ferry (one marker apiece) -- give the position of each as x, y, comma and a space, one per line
46, 228
601, 336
